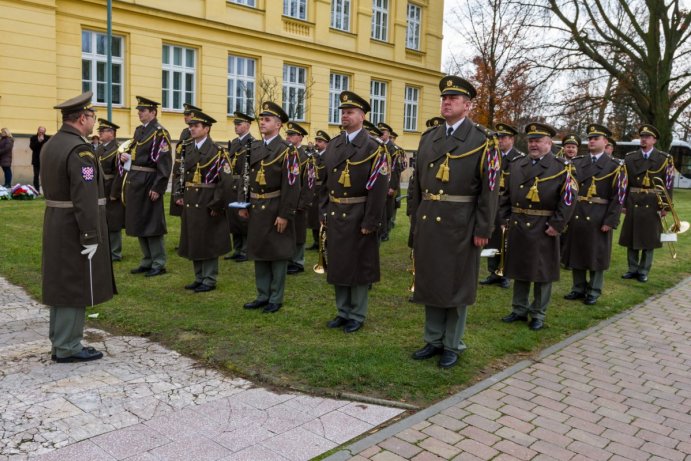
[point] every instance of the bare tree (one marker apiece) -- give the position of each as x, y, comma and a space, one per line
295, 104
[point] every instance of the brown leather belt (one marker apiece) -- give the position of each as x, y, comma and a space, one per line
641, 190
143, 168
68, 203
449, 198
236, 177
319, 183
274, 194
108, 176
517, 210
599, 201
347, 200
203, 186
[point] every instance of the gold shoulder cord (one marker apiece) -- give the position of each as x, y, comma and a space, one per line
345, 174
197, 177
533, 194
261, 179
592, 190
646, 179
103, 159
444, 171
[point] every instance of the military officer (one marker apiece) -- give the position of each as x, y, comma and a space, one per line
274, 194
506, 135
294, 135
570, 144
541, 194
178, 171
107, 154
321, 141
642, 227
352, 202
455, 201
601, 192
150, 162
77, 270
611, 145
237, 150
204, 228
397, 156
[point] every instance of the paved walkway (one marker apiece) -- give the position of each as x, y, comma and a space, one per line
620, 391
144, 402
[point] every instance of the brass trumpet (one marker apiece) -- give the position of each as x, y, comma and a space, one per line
412, 272
502, 251
321, 266
669, 231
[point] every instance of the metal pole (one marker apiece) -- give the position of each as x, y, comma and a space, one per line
109, 62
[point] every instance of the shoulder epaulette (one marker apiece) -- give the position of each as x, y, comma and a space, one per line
578, 157
561, 160
629, 153
520, 155
428, 130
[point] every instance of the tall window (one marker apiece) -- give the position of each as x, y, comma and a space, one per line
412, 37
337, 84
244, 2
378, 101
94, 66
340, 14
380, 19
295, 9
294, 91
410, 108
178, 76
241, 81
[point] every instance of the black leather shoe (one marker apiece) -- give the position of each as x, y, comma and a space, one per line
155, 272
427, 352
448, 359
54, 357
491, 279
513, 317
204, 288
336, 322
193, 285
352, 326
241, 259
590, 300
630, 275
140, 270
295, 269
256, 304
85, 355
642, 278
504, 282
574, 295
536, 324
227, 257
271, 308
385, 238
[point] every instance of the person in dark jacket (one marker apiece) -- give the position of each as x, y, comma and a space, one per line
6, 146
113, 174
36, 143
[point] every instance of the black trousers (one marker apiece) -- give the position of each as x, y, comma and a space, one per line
37, 184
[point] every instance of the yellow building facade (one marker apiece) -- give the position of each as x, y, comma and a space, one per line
221, 56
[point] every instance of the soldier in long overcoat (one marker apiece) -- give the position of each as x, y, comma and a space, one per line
107, 154
77, 270
294, 135
601, 193
145, 184
640, 233
455, 201
352, 200
204, 233
541, 194
321, 141
506, 135
238, 150
274, 194
397, 156
177, 176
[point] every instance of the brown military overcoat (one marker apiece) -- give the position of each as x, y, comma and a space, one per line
307, 182
237, 150
278, 162
113, 175
70, 174
313, 216
586, 246
176, 178
495, 240
532, 255
151, 150
353, 257
642, 226
446, 259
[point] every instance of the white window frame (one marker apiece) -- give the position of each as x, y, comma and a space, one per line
187, 73
92, 58
380, 20
250, 3
378, 89
295, 92
242, 74
340, 14
411, 105
295, 9
337, 84
412, 36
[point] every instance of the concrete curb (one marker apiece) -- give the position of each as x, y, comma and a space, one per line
389, 431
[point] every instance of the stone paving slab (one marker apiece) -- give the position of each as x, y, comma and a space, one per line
619, 391
145, 402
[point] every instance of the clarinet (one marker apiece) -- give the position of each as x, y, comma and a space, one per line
246, 171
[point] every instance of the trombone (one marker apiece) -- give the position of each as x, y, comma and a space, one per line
320, 267
669, 231
412, 272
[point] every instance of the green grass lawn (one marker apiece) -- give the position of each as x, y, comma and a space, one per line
294, 348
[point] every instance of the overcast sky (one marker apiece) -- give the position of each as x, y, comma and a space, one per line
451, 38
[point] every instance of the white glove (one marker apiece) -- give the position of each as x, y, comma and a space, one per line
90, 250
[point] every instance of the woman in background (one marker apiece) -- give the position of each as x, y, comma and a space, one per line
6, 145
